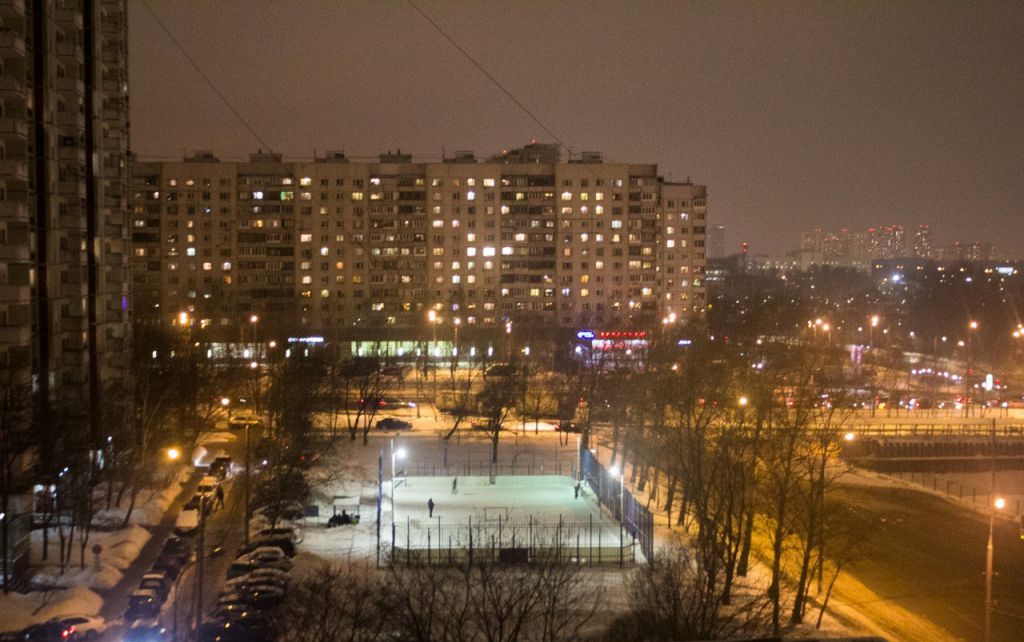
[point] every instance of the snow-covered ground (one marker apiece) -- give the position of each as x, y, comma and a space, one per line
71, 592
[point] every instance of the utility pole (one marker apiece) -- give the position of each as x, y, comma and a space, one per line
200, 555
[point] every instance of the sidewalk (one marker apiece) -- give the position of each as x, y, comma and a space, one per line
115, 600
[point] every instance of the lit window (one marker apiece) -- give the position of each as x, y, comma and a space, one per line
470, 182
306, 280
566, 196
470, 237
470, 251
324, 251
305, 238
455, 265
207, 266
357, 196
670, 243
190, 251
456, 279
438, 222
226, 265
488, 182
470, 195
488, 265
305, 181
520, 237
506, 251
616, 224
488, 251
257, 195
599, 209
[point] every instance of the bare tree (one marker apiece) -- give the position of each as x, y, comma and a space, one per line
16, 446
676, 597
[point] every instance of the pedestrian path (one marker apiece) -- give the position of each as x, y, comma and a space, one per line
115, 600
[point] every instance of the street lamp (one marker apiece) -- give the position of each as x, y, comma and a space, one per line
433, 319
997, 504
871, 332
398, 454
173, 454
971, 327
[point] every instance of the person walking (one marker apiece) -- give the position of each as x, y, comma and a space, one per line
430, 507
219, 495
455, 486
577, 495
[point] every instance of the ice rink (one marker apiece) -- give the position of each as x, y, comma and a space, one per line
530, 513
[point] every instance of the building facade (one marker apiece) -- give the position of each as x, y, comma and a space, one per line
64, 306
330, 245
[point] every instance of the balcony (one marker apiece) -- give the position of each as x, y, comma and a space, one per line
12, 86
69, 85
65, 16
12, 45
13, 169
13, 8
71, 188
14, 210
70, 50
70, 119
15, 335
13, 127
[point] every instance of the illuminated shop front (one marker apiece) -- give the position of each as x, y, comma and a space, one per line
616, 348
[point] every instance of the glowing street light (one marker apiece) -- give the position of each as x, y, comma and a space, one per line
173, 454
850, 436
743, 401
998, 503
183, 318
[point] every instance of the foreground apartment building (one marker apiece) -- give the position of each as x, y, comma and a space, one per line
338, 247
64, 271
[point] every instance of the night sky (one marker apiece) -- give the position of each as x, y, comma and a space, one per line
794, 114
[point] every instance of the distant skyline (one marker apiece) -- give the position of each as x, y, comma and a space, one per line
796, 115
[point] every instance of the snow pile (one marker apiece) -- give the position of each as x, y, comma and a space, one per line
21, 610
120, 549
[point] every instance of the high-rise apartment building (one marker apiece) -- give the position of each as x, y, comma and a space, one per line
328, 245
64, 306
923, 246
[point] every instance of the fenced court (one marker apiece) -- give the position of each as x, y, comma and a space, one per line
500, 519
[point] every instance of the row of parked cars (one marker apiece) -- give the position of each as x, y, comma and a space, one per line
145, 604
257, 583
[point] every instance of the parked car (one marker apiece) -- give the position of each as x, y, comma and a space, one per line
569, 426
168, 564
268, 553
158, 582
187, 522
88, 627
262, 595
198, 500
289, 532
283, 542
207, 486
501, 370
273, 574
147, 630
51, 631
391, 423
142, 604
180, 548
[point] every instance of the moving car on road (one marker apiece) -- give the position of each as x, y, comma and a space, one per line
89, 627
391, 423
51, 631
147, 630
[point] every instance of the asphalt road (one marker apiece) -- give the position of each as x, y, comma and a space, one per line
223, 528
928, 556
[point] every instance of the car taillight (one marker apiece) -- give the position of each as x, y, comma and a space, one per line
68, 632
